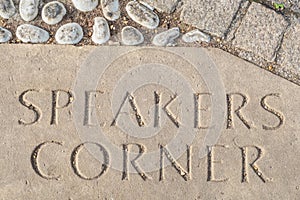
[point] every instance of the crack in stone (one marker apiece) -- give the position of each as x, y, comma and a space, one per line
237, 21
279, 46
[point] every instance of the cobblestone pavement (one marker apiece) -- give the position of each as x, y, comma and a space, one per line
262, 32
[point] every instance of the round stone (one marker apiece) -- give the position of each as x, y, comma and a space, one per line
111, 9
196, 36
142, 14
28, 9
5, 35
7, 9
53, 12
85, 5
31, 34
166, 38
101, 32
70, 33
131, 36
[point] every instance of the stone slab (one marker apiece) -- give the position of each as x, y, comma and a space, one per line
256, 155
167, 6
213, 17
261, 31
289, 52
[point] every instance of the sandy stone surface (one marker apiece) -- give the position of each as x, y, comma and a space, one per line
213, 17
252, 35
167, 6
289, 57
43, 92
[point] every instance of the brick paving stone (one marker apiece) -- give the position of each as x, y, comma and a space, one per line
167, 6
210, 16
260, 31
289, 52
295, 5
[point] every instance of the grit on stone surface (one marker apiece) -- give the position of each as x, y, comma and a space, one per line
213, 17
111, 9
70, 33
29, 9
53, 12
101, 32
289, 54
85, 5
261, 31
7, 8
294, 5
166, 38
167, 6
131, 36
142, 14
32, 34
195, 36
5, 35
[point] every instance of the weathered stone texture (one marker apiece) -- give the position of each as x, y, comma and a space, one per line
167, 6
261, 31
213, 17
290, 50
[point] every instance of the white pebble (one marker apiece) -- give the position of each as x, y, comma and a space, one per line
142, 14
70, 33
111, 9
33, 34
166, 38
101, 32
85, 5
5, 35
53, 12
7, 9
131, 36
196, 36
28, 9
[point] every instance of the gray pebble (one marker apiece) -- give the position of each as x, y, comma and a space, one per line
196, 36
33, 34
142, 14
5, 35
111, 9
166, 38
85, 5
7, 8
131, 36
53, 12
28, 9
101, 32
70, 33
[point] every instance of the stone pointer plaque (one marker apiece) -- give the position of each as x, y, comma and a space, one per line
144, 123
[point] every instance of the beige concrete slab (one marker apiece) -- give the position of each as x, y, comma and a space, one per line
137, 109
